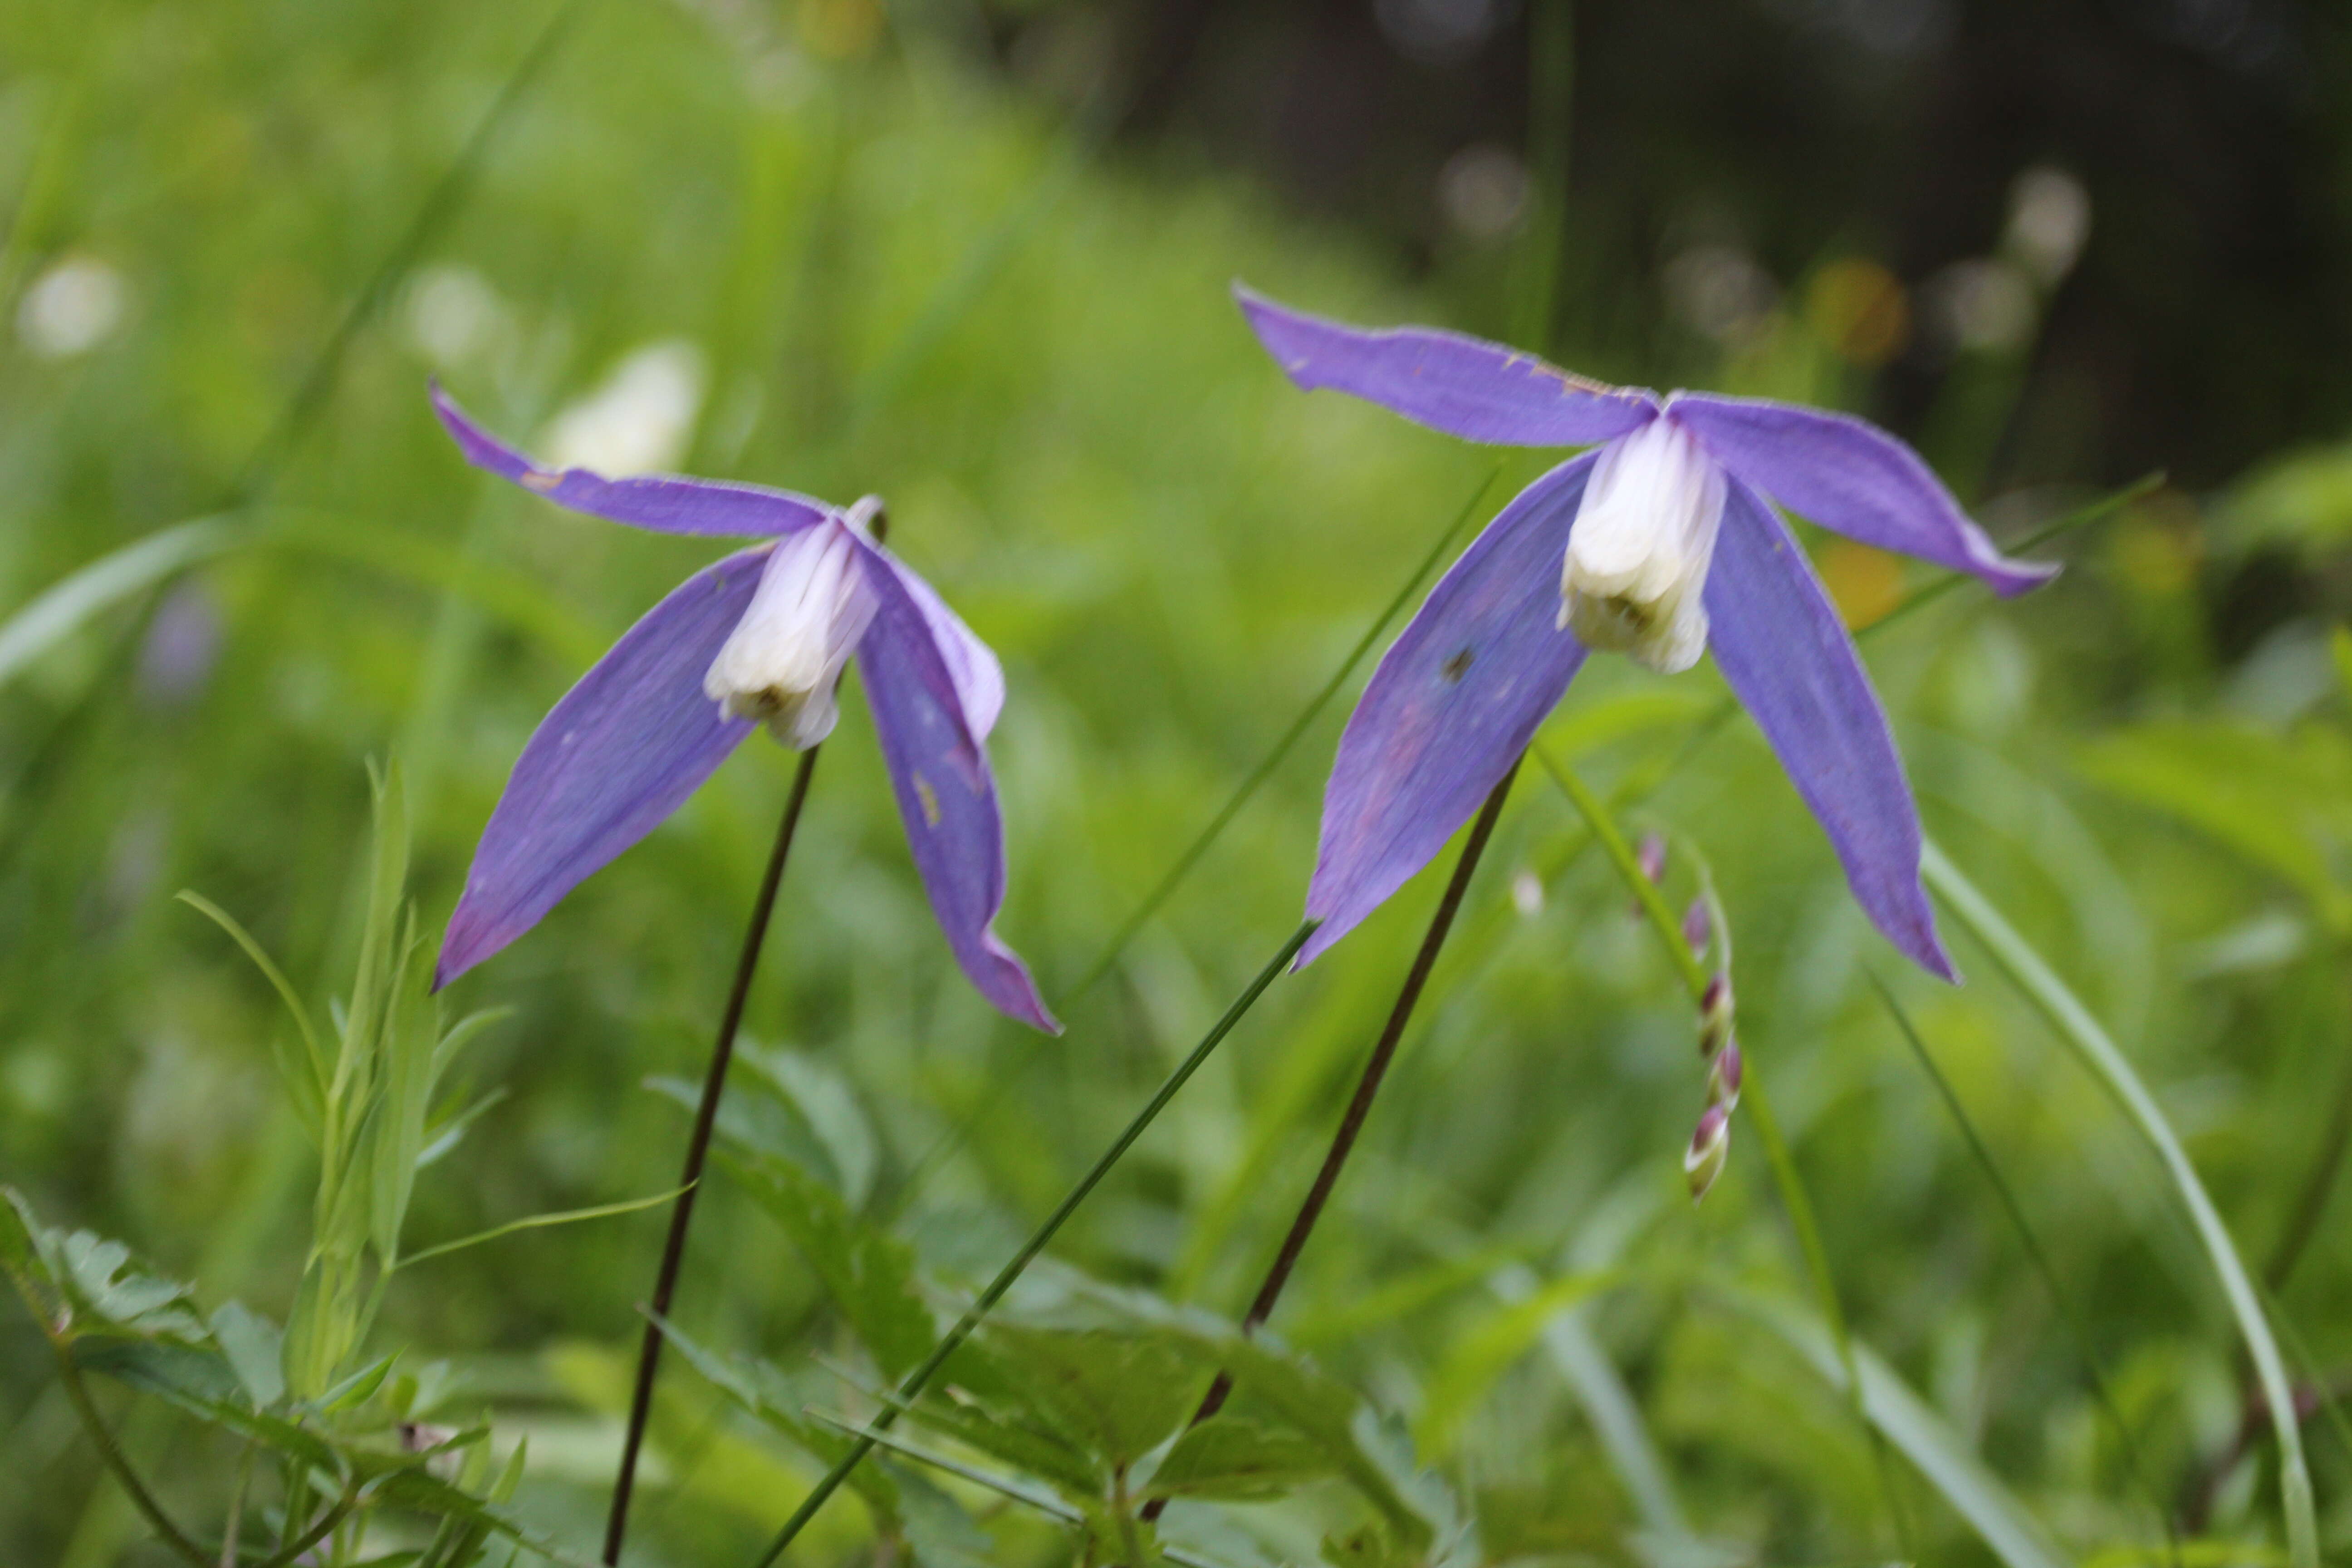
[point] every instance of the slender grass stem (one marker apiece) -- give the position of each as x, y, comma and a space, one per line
920, 1377
1790, 1184
2074, 1025
698, 1153
1165, 888
2076, 1325
118, 1464
1359, 1104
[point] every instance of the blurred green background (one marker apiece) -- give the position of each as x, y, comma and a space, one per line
975, 258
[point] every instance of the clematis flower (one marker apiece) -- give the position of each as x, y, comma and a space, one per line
760, 636
1661, 544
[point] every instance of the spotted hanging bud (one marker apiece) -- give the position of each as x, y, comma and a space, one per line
1698, 928
1710, 1149
1714, 1014
1723, 1075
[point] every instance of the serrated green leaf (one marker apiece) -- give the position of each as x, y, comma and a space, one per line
1120, 1393
827, 1106
938, 1530
869, 1274
1233, 1457
256, 1349
202, 1383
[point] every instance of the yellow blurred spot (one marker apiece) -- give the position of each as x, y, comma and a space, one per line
1863, 582
840, 29
931, 799
1860, 311
2158, 545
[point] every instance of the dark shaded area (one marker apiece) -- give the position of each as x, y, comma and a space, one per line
2203, 326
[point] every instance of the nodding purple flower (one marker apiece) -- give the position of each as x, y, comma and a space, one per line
760, 636
1661, 544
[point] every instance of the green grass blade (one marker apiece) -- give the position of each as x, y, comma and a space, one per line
2074, 1025
1907, 1422
2059, 1297
916, 1379
310, 1086
74, 600
540, 1222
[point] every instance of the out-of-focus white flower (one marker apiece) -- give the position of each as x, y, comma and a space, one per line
641, 420
71, 308
1719, 291
2049, 220
1483, 192
455, 316
1981, 304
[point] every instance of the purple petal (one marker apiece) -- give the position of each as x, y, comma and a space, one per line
1852, 478
666, 505
1454, 702
1463, 386
940, 774
972, 663
621, 752
1779, 643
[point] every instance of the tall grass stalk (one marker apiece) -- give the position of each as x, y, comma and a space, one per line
2089, 1040
920, 1378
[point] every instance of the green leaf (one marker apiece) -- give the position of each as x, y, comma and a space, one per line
256, 1348
1474, 1361
2082, 1033
1234, 1457
827, 1106
1934, 1450
1120, 1392
203, 1382
941, 1535
542, 1222
306, 1080
869, 1274
74, 600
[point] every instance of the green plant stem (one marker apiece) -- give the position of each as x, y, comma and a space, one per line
118, 1464
319, 1532
1166, 887
2076, 1324
2073, 1024
920, 1377
1758, 1104
698, 1154
1359, 1104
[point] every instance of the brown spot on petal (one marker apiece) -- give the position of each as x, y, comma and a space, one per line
931, 799
1455, 667
534, 479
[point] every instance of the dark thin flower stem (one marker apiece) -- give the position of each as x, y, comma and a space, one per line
118, 1464
697, 1151
916, 1379
1359, 1105
2311, 1202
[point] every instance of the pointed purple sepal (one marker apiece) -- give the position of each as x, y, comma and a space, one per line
1452, 704
1463, 386
1852, 478
931, 705
620, 752
666, 504
1779, 641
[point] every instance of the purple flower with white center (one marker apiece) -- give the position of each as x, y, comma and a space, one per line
1661, 544
762, 635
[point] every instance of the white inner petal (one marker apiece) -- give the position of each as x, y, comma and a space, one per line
784, 658
1640, 547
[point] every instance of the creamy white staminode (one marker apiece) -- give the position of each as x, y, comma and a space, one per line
784, 658
1639, 550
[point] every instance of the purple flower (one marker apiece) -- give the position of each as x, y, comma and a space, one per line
1660, 544
761, 636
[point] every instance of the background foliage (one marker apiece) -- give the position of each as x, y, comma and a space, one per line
977, 260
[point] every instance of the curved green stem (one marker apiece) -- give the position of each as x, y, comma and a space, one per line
916, 1379
118, 1464
2074, 1024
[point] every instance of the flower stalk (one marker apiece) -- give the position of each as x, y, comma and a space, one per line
698, 1153
1359, 1105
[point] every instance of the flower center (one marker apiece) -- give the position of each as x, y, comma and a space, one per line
784, 658
1639, 550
